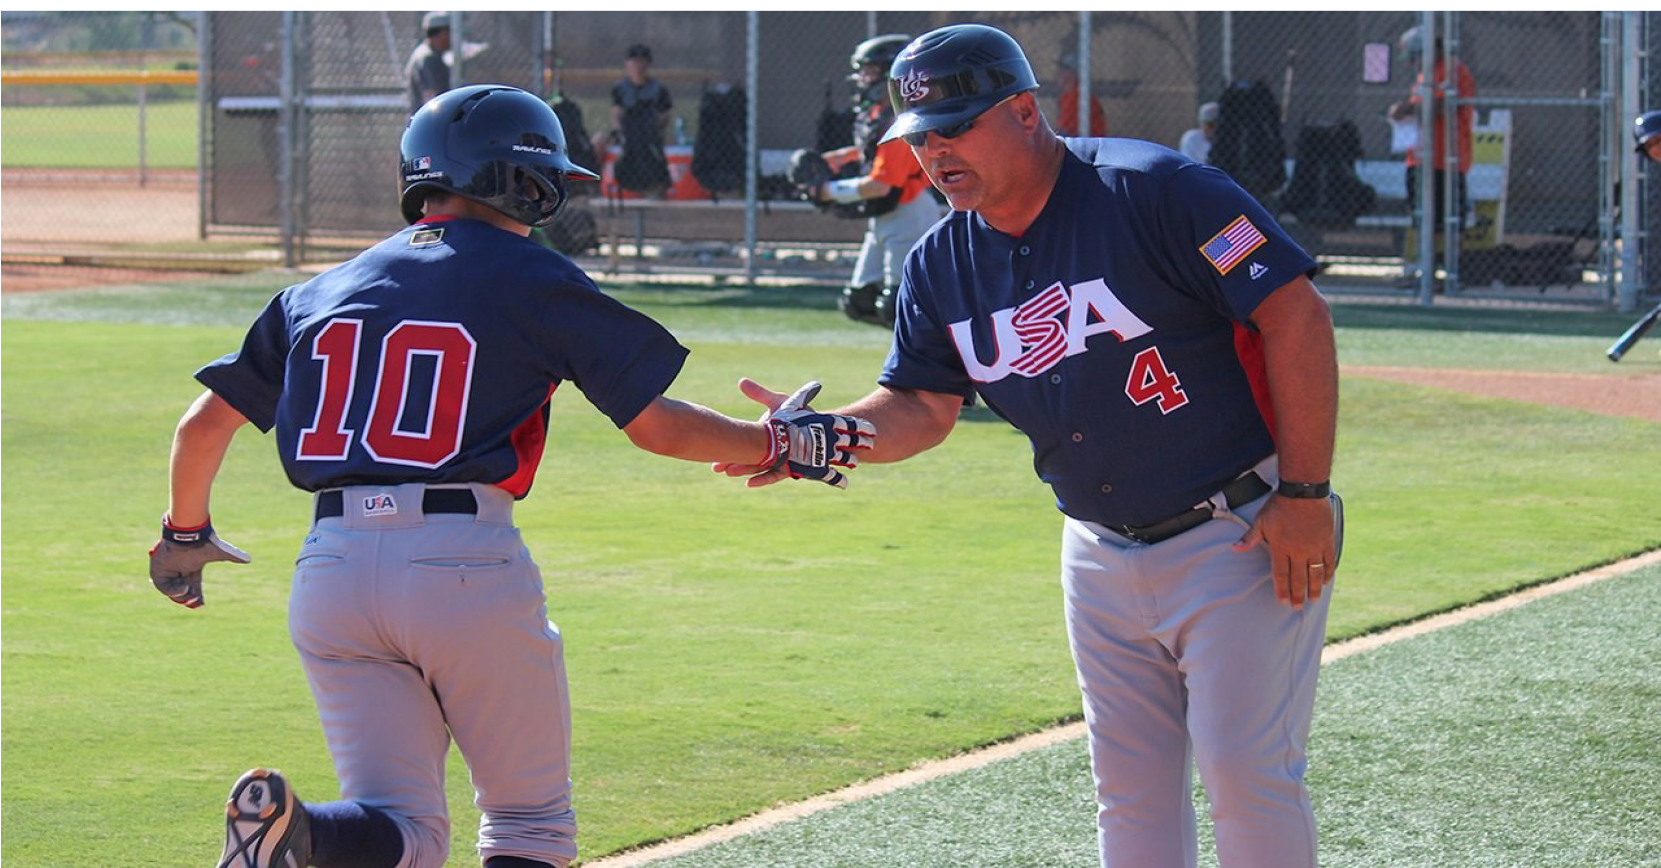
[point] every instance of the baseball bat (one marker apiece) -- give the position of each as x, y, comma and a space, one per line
1638, 330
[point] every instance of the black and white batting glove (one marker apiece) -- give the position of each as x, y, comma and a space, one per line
177, 560
811, 445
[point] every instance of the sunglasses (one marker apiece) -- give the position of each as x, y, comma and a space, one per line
917, 140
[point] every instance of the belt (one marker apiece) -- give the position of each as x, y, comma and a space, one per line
332, 504
1241, 491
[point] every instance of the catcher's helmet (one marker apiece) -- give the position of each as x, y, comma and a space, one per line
878, 51
497, 145
950, 75
1645, 128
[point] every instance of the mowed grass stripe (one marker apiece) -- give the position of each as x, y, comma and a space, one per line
1526, 738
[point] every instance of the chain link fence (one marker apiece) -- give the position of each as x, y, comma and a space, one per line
275, 141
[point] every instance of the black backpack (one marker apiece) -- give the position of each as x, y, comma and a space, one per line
718, 152
1325, 192
1247, 144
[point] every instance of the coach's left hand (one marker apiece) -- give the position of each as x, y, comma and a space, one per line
1301, 536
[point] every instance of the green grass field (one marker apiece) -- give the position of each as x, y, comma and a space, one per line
99, 137
729, 649
1525, 739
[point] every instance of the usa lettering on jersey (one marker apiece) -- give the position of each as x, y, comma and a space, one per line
1035, 335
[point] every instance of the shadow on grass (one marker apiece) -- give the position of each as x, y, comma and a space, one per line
1567, 323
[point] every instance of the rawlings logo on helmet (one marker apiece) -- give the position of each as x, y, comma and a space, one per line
914, 86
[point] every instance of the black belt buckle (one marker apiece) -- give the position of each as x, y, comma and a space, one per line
332, 503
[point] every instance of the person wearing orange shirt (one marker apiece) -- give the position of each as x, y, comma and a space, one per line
1411, 48
891, 189
1067, 76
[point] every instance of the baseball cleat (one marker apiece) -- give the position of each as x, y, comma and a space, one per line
265, 825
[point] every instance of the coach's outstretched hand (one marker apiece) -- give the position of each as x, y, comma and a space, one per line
805, 444
177, 560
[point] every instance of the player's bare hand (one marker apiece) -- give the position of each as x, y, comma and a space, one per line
177, 560
759, 475
1302, 536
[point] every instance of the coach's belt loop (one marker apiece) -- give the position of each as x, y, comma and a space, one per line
1218, 504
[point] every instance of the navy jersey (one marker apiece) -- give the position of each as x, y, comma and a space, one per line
431, 357
1113, 332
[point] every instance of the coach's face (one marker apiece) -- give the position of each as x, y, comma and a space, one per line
980, 170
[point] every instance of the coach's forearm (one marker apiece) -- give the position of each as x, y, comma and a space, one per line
1301, 361
199, 445
908, 421
693, 432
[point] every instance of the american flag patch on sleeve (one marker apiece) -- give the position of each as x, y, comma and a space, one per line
1234, 243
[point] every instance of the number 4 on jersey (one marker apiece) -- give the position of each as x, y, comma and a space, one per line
1150, 379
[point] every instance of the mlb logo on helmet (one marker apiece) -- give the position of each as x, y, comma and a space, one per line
380, 504
422, 164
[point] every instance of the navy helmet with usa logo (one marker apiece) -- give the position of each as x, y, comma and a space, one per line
497, 145
947, 77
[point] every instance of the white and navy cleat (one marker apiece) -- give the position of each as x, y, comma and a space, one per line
265, 825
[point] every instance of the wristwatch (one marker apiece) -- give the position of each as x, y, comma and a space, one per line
1304, 489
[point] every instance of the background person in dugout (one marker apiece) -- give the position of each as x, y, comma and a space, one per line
1410, 47
640, 107
892, 187
1067, 78
410, 389
427, 73
1196, 143
1155, 334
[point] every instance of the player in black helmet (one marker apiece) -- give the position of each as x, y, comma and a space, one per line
409, 388
888, 187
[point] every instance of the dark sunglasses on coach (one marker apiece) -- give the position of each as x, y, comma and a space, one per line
917, 140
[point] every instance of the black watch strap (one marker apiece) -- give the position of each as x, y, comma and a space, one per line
1304, 489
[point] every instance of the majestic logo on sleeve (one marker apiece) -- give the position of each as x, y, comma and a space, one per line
1032, 337
1236, 242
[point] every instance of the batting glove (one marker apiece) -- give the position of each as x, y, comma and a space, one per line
177, 560
811, 445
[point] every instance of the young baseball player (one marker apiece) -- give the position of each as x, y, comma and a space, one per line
409, 388
891, 188
1156, 336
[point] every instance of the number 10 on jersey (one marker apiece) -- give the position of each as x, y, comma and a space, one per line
389, 437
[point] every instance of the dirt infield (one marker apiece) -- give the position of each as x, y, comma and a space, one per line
1637, 396
42, 207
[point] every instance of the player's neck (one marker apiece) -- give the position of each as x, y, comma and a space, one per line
456, 206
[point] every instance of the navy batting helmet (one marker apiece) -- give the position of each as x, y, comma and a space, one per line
948, 77
497, 145
1646, 127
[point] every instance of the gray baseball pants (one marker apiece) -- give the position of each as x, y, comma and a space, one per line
414, 628
1185, 657
890, 237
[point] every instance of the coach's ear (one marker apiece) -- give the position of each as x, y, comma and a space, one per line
1024, 108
